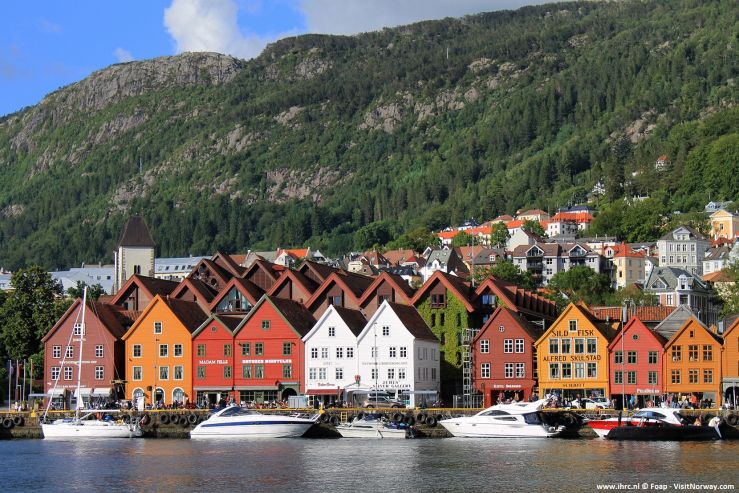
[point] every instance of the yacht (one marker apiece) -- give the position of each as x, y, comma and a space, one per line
90, 426
517, 420
372, 426
239, 422
656, 424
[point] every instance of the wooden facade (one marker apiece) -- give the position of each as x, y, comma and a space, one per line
213, 359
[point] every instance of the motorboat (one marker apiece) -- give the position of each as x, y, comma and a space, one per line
91, 425
516, 420
656, 424
239, 422
373, 425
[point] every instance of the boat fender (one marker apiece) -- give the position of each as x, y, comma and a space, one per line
421, 418
715, 422
192, 419
360, 415
184, 421
409, 420
325, 418
335, 420
8, 423
439, 417
18, 420
397, 417
430, 421
569, 420
731, 419
164, 418
145, 420
383, 416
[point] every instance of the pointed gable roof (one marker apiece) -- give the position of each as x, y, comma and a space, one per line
136, 234
354, 320
115, 319
397, 282
228, 263
229, 322
672, 323
692, 322
251, 291
317, 272
307, 285
210, 273
522, 322
408, 316
270, 269
189, 314
151, 286
631, 324
604, 329
519, 299
352, 284
203, 293
395, 257
460, 288
292, 312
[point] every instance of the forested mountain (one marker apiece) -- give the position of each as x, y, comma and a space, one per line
343, 141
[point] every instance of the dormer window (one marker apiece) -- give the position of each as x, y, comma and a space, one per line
157, 327
573, 325
77, 329
438, 300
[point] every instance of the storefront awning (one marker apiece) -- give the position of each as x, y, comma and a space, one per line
100, 392
214, 389
323, 391
256, 387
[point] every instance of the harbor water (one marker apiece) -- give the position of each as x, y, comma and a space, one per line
338, 465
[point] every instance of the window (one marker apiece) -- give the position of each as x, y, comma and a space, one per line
373, 374
157, 327
258, 371
99, 372
631, 377
653, 357
245, 348
554, 371
56, 352
485, 346
519, 345
401, 373
287, 348
631, 357
618, 377
707, 376
520, 370
373, 352
675, 376
385, 330
693, 376
69, 353
442, 319
553, 346
707, 353
266, 324
246, 371
179, 372
438, 300
508, 345
392, 352
391, 373
201, 349
433, 320
579, 346
652, 378
573, 325
322, 374
339, 374
339, 352
350, 352
693, 352
676, 353
618, 357
592, 370
488, 299
164, 373
566, 346
566, 370
312, 372
55, 372
592, 346
201, 372
178, 350
324, 352
227, 348
287, 370
485, 370
579, 370
332, 331
163, 350
137, 371
259, 348
334, 300
77, 330
508, 370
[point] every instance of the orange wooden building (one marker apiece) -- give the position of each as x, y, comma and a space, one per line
693, 363
159, 351
730, 364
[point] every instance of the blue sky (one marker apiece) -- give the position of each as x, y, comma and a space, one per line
47, 44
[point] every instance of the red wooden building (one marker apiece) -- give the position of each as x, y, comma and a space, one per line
504, 364
213, 359
636, 364
269, 354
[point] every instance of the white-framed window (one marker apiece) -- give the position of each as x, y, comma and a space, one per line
573, 325
324, 352
349, 352
55, 372
56, 352
179, 372
373, 352
392, 352
508, 345
68, 373
314, 353
339, 352
157, 327
554, 371
385, 330
69, 353
484, 346
391, 373
178, 350
339, 373
519, 346
592, 370
553, 346
373, 374
403, 352
137, 350
485, 370
322, 374
137, 371
163, 350
99, 351
520, 370
508, 367
77, 330
332, 331
566, 370
99, 372
164, 373
401, 373
312, 373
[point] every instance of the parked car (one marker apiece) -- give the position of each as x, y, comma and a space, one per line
375, 401
594, 403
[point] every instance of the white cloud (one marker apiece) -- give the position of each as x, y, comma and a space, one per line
211, 25
355, 16
123, 55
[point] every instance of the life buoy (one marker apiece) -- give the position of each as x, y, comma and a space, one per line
18, 420
8, 423
430, 421
193, 419
731, 419
164, 418
335, 420
397, 417
145, 420
409, 420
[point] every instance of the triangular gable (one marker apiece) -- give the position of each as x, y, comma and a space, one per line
527, 326
537, 252
157, 299
317, 272
228, 263
188, 313
210, 273
298, 318
420, 331
692, 322
218, 318
111, 317
452, 283
202, 293
268, 270
336, 279
348, 316
75, 306
248, 289
518, 299
579, 250
151, 286
630, 325
731, 328
602, 329
400, 287
305, 284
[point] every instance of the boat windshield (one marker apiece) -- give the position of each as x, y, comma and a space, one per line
494, 412
650, 414
237, 411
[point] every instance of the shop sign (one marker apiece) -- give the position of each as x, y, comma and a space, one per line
213, 362
266, 361
573, 357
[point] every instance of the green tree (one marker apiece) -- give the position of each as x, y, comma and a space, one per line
462, 239
417, 240
94, 292
508, 271
729, 291
29, 311
634, 295
533, 226
581, 283
499, 235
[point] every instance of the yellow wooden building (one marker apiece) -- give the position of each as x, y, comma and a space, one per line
730, 364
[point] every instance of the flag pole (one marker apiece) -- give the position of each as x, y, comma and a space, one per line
23, 385
10, 380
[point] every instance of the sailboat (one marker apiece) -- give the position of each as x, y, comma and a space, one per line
89, 424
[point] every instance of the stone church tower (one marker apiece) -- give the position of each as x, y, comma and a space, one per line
134, 253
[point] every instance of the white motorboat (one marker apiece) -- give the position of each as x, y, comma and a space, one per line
518, 420
656, 424
87, 426
239, 422
372, 426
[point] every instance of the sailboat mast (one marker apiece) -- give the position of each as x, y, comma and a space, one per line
79, 360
